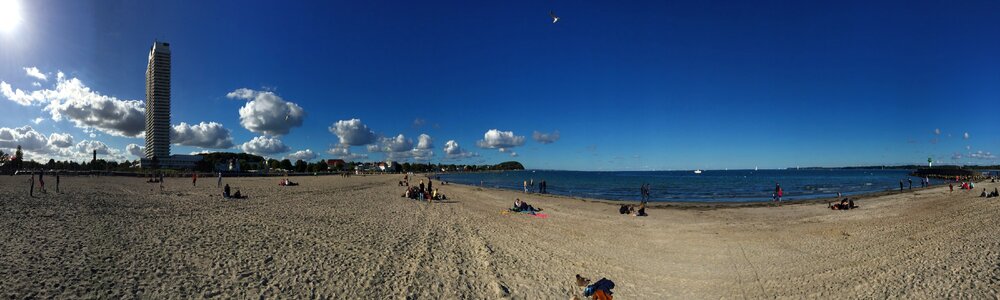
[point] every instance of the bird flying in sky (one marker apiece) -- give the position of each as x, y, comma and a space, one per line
555, 18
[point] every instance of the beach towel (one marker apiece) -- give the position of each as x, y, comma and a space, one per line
537, 215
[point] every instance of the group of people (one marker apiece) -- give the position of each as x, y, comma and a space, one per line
286, 182
845, 204
994, 193
633, 210
41, 183
529, 186
237, 195
521, 206
420, 192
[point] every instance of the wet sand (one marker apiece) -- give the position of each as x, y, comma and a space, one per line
334, 237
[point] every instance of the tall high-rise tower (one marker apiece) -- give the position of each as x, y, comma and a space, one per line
158, 101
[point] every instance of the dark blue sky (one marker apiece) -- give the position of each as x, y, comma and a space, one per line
628, 85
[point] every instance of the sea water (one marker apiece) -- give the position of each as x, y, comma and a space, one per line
709, 186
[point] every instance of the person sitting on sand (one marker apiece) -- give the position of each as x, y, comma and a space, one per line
237, 195
845, 204
625, 209
641, 212
521, 206
983, 195
225, 192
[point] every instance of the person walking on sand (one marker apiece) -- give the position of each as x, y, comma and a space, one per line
194, 179
901, 185
910, 180
219, 184
57, 184
161, 182
525, 186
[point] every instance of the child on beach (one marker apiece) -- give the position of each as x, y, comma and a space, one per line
777, 194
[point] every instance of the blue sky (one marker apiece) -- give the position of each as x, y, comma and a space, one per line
627, 85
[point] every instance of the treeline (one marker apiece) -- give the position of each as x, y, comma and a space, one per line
902, 167
10, 162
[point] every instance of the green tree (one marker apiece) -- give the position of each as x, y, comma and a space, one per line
301, 166
286, 164
18, 158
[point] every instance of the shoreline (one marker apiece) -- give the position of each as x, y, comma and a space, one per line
705, 205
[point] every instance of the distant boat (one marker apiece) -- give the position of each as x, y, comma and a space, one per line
697, 171
755, 168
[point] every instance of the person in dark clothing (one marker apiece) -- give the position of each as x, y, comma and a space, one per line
421, 186
57, 183
522, 206
911, 182
31, 181
225, 191
41, 181
901, 185
430, 183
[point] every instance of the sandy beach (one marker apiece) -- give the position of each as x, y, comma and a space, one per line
335, 237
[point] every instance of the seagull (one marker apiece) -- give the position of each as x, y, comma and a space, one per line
554, 17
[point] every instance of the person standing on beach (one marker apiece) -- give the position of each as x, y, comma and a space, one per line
41, 181
57, 183
900, 185
911, 182
219, 184
194, 179
31, 182
161, 182
525, 186
430, 185
778, 193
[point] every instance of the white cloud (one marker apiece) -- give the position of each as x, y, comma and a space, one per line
352, 132
982, 155
264, 146
344, 152
397, 144
60, 140
267, 113
937, 131
135, 150
89, 146
25, 136
453, 151
74, 101
36, 84
305, 155
513, 154
418, 122
500, 139
204, 135
38, 121
546, 138
34, 72
425, 142
965, 135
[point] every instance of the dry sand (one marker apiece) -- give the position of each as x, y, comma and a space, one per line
355, 237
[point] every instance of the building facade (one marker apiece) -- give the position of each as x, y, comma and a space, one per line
158, 102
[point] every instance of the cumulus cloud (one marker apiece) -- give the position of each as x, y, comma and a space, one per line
34, 72
25, 136
344, 152
204, 135
74, 101
500, 139
424, 142
135, 150
453, 151
352, 132
937, 131
267, 113
264, 146
38, 121
305, 155
965, 135
89, 146
546, 138
395, 144
60, 140
513, 154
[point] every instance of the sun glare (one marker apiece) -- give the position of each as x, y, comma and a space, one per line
10, 15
